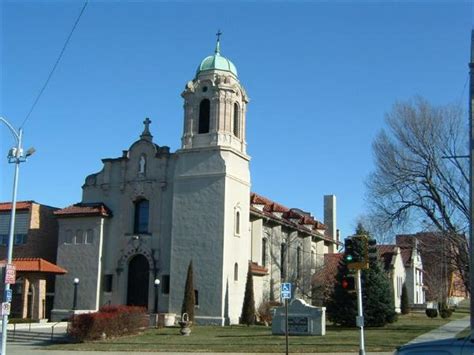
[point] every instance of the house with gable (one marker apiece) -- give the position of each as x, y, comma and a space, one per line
440, 278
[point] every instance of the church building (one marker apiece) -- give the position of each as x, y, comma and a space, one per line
149, 213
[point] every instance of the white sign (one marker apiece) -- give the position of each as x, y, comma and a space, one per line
10, 274
5, 310
285, 291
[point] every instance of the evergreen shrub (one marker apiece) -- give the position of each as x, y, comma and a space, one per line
248, 315
404, 304
189, 300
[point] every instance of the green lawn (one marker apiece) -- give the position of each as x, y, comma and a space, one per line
260, 339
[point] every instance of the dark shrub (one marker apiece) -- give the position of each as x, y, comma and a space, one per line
445, 311
432, 312
110, 321
265, 311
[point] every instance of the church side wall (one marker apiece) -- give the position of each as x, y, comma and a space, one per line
237, 240
82, 261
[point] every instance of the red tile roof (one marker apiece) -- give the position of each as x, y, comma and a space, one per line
84, 209
35, 265
289, 215
20, 206
258, 270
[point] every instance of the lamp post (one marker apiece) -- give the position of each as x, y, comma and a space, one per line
74, 300
15, 156
157, 283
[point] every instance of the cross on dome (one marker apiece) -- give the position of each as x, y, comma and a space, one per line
218, 44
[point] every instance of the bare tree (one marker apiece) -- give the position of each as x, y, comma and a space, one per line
419, 176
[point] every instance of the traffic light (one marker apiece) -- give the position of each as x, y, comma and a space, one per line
348, 250
372, 251
348, 283
355, 253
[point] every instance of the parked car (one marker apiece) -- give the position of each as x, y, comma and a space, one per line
451, 346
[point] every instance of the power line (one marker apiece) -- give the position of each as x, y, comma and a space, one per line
55, 64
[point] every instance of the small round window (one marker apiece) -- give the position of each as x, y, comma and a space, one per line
204, 89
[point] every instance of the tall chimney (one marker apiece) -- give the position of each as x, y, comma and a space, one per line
330, 216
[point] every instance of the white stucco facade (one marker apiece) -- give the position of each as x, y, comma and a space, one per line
152, 212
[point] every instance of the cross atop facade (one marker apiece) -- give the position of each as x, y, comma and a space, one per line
146, 131
218, 34
147, 124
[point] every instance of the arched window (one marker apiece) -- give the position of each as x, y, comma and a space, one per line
237, 222
282, 261
236, 272
140, 224
298, 262
79, 236
204, 116
236, 121
264, 251
89, 236
69, 237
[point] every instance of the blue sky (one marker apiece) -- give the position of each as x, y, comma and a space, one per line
320, 76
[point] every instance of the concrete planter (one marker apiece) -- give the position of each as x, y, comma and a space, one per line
169, 319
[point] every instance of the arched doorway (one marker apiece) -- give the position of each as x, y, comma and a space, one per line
138, 273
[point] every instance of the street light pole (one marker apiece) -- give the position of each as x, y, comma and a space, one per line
157, 283
15, 156
74, 300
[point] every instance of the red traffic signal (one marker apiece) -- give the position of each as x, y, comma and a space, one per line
348, 283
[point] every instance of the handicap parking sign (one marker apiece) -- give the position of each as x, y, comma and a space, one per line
285, 291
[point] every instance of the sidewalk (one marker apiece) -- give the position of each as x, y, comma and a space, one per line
449, 330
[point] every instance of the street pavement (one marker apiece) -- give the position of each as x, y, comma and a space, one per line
32, 339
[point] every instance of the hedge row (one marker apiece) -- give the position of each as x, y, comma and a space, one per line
108, 322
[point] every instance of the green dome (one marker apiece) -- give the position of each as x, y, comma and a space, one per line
216, 62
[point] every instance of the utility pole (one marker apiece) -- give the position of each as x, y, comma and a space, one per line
15, 156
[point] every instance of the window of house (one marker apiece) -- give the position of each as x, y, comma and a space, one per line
236, 121
204, 116
89, 236
19, 239
79, 236
237, 222
236, 272
108, 281
282, 261
165, 282
3, 239
264, 251
141, 216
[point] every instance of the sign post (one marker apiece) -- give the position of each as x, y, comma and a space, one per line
286, 295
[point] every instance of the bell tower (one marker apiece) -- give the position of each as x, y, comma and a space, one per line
215, 104
211, 194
